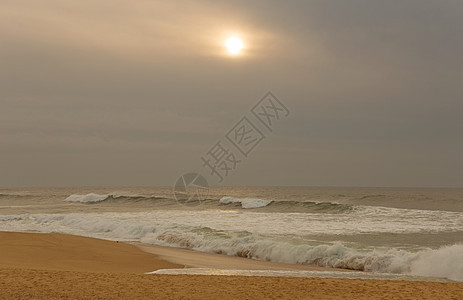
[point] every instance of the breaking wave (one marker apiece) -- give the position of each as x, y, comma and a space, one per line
246, 202
89, 198
96, 198
226, 202
446, 261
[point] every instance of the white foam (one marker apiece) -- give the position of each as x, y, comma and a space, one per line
246, 202
229, 233
299, 273
444, 262
271, 224
89, 198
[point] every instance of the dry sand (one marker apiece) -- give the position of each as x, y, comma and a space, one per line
56, 266
74, 253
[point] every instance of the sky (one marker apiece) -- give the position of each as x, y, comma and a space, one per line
135, 93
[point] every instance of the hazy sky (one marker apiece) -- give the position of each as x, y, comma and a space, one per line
116, 92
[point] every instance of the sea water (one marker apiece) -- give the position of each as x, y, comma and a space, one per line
413, 232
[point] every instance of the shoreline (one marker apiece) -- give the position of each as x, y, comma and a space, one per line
57, 266
50, 285
65, 247
195, 259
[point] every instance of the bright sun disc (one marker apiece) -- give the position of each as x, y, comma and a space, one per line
234, 45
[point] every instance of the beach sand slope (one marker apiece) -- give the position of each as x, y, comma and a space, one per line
57, 266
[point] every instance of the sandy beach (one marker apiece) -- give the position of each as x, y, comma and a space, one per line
57, 266
194, 149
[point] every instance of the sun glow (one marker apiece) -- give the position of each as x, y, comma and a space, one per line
234, 45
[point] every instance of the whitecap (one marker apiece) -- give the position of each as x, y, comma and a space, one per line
89, 198
246, 202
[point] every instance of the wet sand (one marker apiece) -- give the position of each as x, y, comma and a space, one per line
195, 259
57, 266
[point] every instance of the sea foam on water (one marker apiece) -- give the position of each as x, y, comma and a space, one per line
304, 229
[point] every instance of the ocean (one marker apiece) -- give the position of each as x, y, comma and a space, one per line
401, 231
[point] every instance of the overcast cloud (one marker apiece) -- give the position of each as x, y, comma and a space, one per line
134, 92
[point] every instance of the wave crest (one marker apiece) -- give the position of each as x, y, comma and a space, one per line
226, 202
88, 198
246, 202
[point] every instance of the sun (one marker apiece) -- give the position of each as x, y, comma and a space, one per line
234, 45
